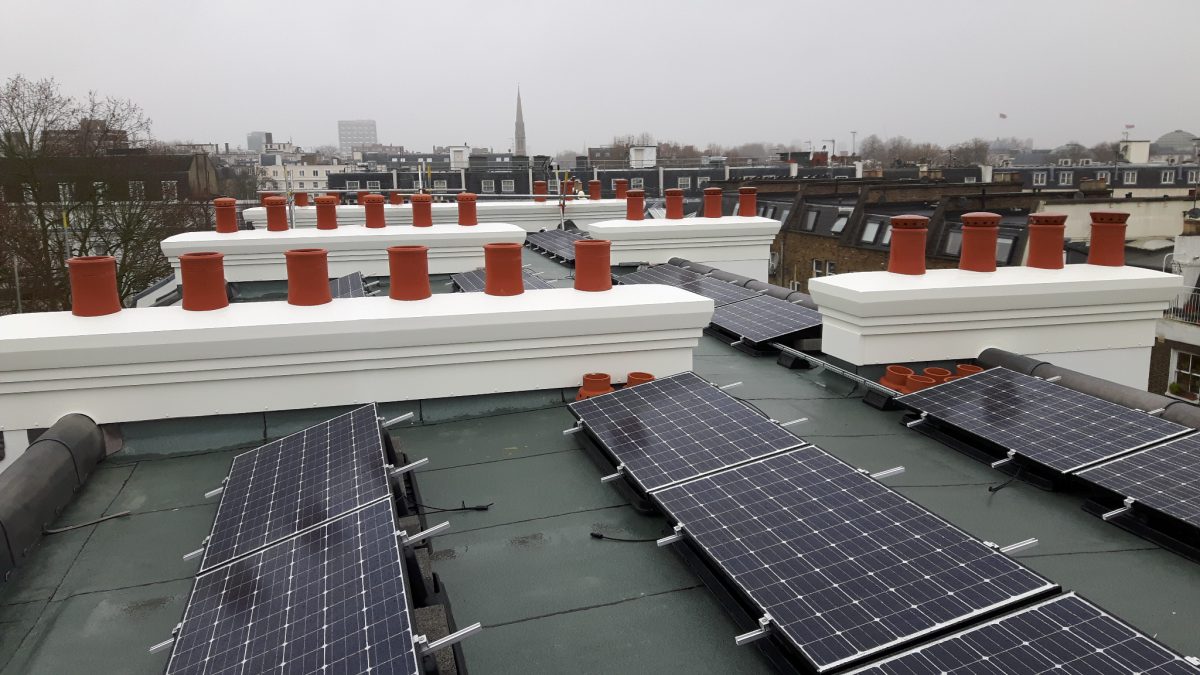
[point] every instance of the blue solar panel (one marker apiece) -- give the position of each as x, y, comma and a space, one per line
1165, 478
476, 280
720, 292
763, 319
844, 566
349, 286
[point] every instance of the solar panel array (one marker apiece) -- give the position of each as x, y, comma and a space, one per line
678, 427
1060, 428
298, 482
474, 281
329, 600
844, 566
1165, 478
349, 286
721, 292
764, 318
555, 243
1064, 635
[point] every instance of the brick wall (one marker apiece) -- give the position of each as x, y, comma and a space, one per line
798, 250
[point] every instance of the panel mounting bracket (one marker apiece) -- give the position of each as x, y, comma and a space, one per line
216, 491
763, 630
156, 648
573, 430
1001, 462
731, 385
888, 473
451, 639
396, 471
1116, 512
916, 421
198, 552
671, 538
397, 420
423, 534
614, 476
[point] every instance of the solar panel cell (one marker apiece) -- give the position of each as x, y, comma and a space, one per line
763, 318
557, 243
298, 482
721, 292
474, 281
1060, 428
330, 600
843, 565
1065, 635
349, 286
1165, 478
679, 427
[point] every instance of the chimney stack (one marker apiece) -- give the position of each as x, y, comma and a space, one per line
502, 269
622, 185
747, 201
94, 285
409, 267
422, 210
712, 202
301, 199
358, 196
467, 213
203, 277
327, 212
396, 198
225, 209
1107, 247
262, 198
1046, 240
593, 189
907, 254
276, 214
978, 253
373, 207
308, 276
593, 266
674, 204
540, 188
635, 205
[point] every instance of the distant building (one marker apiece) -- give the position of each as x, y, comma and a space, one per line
299, 177
519, 137
136, 176
353, 133
256, 140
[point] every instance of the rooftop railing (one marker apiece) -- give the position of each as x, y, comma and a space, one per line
1185, 307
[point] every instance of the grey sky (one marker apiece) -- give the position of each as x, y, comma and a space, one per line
697, 72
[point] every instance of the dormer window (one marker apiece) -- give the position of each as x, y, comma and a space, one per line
1066, 177
1039, 178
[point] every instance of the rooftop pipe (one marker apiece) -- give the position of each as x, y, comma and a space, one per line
225, 209
712, 202
276, 214
502, 269
422, 210
1108, 238
594, 189
635, 204
979, 234
674, 204
1046, 240
747, 201
540, 187
301, 199
373, 209
396, 198
203, 276
94, 285
308, 276
622, 185
327, 212
907, 254
593, 266
467, 212
409, 268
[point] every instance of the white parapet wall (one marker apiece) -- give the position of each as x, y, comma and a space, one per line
1099, 320
257, 255
737, 244
530, 215
165, 362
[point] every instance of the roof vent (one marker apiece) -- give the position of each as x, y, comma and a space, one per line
747, 202
94, 285
712, 202
674, 204
467, 213
980, 230
308, 276
635, 204
1108, 238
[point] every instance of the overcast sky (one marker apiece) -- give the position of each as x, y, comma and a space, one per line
695, 72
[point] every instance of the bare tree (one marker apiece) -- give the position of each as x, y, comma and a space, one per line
974, 151
1107, 152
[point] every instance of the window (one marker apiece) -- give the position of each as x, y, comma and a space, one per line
1039, 178
170, 190
954, 243
1185, 375
1066, 177
66, 192
100, 189
870, 231
552, 186
1193, 176
701, 181
301, 172
1085, 162
487, 186
275, 172
508, 185
818, 268
969, 179
301, 184
439, 185
1168, 177
1104, 176
830, 267
351, 185
137, 190
326, 172
839, 224
684, 183
1004, 246
1064, 162
374, 184
26, 192
1129, 177
887, 235
637, 183
614, 184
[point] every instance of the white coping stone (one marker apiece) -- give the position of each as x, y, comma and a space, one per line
530, 215
738, 244
257, 255
164, 362
881, 318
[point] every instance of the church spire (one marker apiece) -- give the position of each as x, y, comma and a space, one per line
519, 137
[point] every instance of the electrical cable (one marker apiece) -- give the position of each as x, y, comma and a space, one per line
1016, 474
464, 507
598, 535
90, 522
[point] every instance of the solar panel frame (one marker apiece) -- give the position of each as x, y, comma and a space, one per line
694, 428
1164, 478
1025, 641
330, 599
812, 570
1052, 428
253, 514
349, 286
475, 280
764, 318
720, 292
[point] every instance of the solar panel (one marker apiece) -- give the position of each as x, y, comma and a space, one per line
679, 427
330, 600
473, 281
844, 566
1065, 635
764, 318
349, 286
1165, 478
559, 243
298, 482
721, 292
1060, 428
